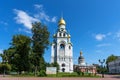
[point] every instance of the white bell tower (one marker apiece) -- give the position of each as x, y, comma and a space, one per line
61, 49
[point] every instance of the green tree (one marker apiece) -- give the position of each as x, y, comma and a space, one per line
5, 67
7, 55
4, 56
110, 59
20, 47
40, 41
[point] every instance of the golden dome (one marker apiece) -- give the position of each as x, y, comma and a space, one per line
69, 36
81, 53
61, 22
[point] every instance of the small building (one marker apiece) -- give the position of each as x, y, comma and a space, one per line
114, 66
84, 67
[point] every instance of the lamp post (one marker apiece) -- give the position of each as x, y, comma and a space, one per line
101, 62
87, 68
4, 68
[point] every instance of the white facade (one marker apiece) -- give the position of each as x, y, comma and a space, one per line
114, 66
61, 49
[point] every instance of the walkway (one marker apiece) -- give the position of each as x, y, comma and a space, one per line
107, 77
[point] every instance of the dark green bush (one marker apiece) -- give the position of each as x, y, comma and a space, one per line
5, 67
42, 73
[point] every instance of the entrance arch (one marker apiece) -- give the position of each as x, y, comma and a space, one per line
63, 69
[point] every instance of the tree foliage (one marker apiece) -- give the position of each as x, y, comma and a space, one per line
18, 53
40, 41
40, 38
25, 53
111, 58
5, 67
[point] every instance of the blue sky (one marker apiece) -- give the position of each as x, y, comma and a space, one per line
94, 25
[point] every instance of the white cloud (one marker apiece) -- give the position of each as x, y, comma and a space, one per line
23, 18
100, 37
27, 20
54, 19
38, 6
103, 45
42, 14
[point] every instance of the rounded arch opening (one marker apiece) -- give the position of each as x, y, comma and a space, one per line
63, 65
62, 46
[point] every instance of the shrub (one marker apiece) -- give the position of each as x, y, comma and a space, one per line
82, 73
5, 67
42, 73
79, 72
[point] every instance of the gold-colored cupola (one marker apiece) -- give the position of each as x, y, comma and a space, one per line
61, 22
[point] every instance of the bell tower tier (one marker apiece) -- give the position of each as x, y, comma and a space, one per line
62, 49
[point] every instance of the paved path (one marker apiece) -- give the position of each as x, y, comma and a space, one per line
38, 78
107, 77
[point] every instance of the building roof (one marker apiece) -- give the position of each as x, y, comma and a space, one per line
61, 22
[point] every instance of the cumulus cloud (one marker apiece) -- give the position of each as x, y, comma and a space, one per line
23, 18
42, 14
100, 37
27, 20
53, 19
38, 6
103, 45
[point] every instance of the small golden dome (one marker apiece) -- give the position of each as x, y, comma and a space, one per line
69, 36
81, 53
61, 22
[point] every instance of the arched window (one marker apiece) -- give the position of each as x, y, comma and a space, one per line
60, 34
62, 46
54, 46
69, 47
63, 65
64, 34
63, 69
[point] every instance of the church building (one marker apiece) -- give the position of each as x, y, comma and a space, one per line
62, 49
83, 66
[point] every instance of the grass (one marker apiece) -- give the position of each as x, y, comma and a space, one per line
74, 74
23, 75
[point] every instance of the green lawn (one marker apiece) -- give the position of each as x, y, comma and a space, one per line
74, 74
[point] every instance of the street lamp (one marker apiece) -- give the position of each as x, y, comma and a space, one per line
4, 68
4, 62
101, 62
87, 68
